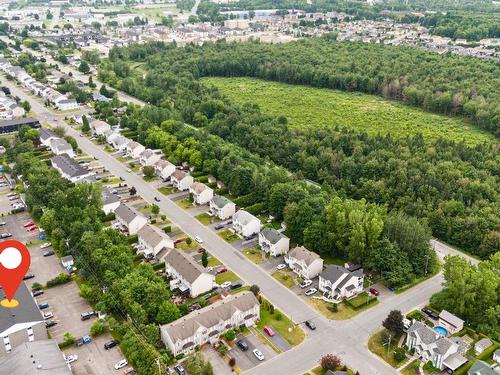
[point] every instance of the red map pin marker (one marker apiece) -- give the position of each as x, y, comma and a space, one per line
15, 261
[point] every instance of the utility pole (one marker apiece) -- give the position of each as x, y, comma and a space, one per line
368, 293
426, 262
157, 360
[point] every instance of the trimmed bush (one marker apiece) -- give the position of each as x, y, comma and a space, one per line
255, 209
159, 266
167, 229
62, 278
133, 239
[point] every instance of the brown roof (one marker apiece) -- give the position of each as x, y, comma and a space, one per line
301, 253
178, 174
199, 187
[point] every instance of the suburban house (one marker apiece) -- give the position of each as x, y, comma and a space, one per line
222, 207
482, 345
187, 275
429, 345
482, 368
120, 143
130, 218
273, 242
201, 193
64, 104
20, 324
452, 323
35, 357
60, 146
69, 168
304, 263
151, 240
164, 169
181, 180
245, 223
207, 324
67, 261
99, 127
111, 135
46, 136
110, 201
134, 149
337, 282
496, 356
148, 158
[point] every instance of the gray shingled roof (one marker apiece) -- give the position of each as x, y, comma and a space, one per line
69, 166
450, 318
151, 234
481, 368
162, 163
184, 264
133, 145
45, 133
209, 316
272, 235
108, 197
483, 343
220, 201
126, 213
454, 361
27, 310
301, 253
426, 333
244, 217
147, 153
443, 344
60, 145
36, 357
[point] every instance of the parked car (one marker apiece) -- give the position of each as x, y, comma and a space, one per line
219, 226
121, 364
225, 284
84, 340
281, 266
430, 313
257, 353
2, 223
129, 371
28, 224
48, 315
50, 323
28, 276
201, 250
269, 331
242, 345
45, 245
42, 306
32, 229
48, 253
310, 325
179, 241
221, 270
157, 199
71, 358
110, 344
179, 370
235, 286
374, 291
88, 315
5, 235
305, 283
310, 292
198, 239
37, 293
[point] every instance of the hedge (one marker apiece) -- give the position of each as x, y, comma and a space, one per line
360, 300
159, 266
246, 200
62, 278
255, 209
484, 355
133, 239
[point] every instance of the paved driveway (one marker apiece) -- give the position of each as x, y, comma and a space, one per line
220, 366
246, 360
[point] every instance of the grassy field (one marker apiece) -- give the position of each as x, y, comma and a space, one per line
227, 235
226, 276
313, 107
344, 311
284, 278
376, 346
292, 333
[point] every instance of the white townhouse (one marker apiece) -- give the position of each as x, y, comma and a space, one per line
222, 207
273, 242
209, 323
181, 180
337, 282
201, 193
304, 263
452, 323
187, 275
429, 345
151, 240
64, 104
110, 136
46, 136
149, 158
120, 143
59, 146
245, 223
110, 201
164, 169
135, 149
130, 218
99, 127
69, 168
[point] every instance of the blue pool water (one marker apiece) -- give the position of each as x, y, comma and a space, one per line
441, 330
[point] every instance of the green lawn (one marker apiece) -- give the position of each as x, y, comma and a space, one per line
166, 190
255, 255
206, 219
226, 276
328, 259
184, 203
184, 245
227, 235
285, 278
314, 107
213, 261
376, 346
293, 334
411, 368
344, 311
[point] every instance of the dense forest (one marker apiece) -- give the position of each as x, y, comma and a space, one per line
454, 188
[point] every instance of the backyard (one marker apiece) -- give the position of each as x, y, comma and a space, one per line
228, 236
281, 324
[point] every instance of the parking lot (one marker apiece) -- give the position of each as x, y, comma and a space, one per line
246, 359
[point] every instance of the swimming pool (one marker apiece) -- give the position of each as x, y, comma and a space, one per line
441, 330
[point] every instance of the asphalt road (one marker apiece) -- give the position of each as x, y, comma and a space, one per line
348, 339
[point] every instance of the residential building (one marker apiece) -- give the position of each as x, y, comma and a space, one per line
222, 207
209, 323
164, 169
429, 345
148, 158
496, 356
130, 218
34, 358
67, 261
337, 282
482, 368
46, 136
60, 146
273, 242
20, 324
151, 240
120, 143
134, 149
99, 127
187, 275
201, 193
181, 180
482, 345
452, 323
64, 104
246, 224
110, 201
304, 263
9, 126
69, 168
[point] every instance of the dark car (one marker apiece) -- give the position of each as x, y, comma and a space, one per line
48, 253
310, 325
37, 293
43, 306
50, 323
157, 199
430, 313
235, 286
219, 226
201, 250
28, 276
110, 344
179, 370
87, 315
242, 345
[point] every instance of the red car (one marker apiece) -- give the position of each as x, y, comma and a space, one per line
201, 250
31, 229
222, 270
269, 331
29, 224
374, 291
179, 240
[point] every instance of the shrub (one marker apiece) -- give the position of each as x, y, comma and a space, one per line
333, 307
109, 217
159, 266
62, 278
232, 362
97, 329
230, 335
36, 286
68, 340
163, 217
255, 290
255, 209
330, 362
399, 354
153, 221
246, 200
278, 316
167, 229
189, 241
133, 239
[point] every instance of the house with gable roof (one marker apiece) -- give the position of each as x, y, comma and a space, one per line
337, 282
305, 263
273, 242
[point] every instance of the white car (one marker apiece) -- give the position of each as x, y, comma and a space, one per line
71, 358
48, 315
198, 239
121, 364
129, 170
45, 245
310, 292
281, 266
210, 269
226, 284
258, 354
305, 283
